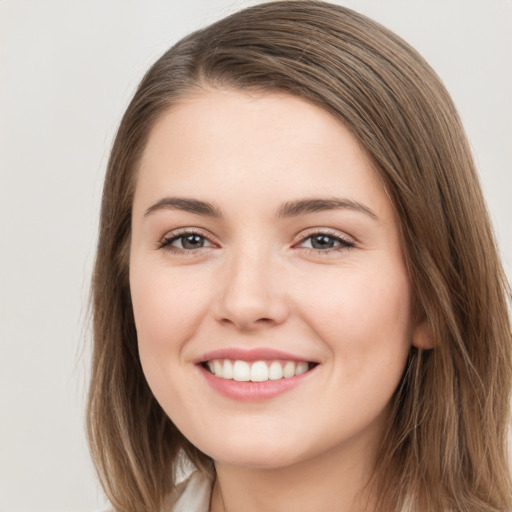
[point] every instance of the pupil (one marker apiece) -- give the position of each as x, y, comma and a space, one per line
192, 242
322, 242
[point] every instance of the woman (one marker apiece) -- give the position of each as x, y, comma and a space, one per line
297, 288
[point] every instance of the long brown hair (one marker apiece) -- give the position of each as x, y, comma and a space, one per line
445, 448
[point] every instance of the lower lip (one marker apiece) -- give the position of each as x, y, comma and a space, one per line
253, 391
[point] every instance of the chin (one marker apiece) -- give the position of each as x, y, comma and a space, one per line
257, 453
258, 459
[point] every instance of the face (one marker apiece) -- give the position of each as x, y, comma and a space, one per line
271, 299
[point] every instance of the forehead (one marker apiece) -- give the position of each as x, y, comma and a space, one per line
226, 143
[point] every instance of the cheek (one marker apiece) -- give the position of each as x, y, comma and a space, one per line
363, 315
364, 321
167, 309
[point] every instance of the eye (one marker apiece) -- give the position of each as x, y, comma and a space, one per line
185, 242
325, 242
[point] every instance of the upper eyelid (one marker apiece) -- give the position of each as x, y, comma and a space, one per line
169, 237
176, 233
303, 235
343, 244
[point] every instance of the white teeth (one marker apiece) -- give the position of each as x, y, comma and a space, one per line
289, 370
241, 371
258, 371
301, 367
275, 372
227, 372
217, 367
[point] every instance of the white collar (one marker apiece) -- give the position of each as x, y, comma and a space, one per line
192, 495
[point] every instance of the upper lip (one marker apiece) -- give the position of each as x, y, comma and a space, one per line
254, 354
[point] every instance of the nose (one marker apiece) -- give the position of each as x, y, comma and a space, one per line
250, 296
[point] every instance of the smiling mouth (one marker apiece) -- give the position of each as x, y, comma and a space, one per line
256, 371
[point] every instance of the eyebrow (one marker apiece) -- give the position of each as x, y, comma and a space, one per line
186, 205
288, 209
305, 206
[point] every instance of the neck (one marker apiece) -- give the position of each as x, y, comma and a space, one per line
335, 481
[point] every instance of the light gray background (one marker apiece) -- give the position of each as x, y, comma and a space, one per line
67, 70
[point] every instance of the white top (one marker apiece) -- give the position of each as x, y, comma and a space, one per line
192, 495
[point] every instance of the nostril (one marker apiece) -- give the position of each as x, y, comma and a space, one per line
246, 324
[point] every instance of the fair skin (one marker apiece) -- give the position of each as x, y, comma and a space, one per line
227, 264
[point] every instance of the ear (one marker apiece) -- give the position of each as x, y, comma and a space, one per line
422, 337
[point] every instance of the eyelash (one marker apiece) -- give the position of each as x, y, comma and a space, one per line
344, 243
168, 240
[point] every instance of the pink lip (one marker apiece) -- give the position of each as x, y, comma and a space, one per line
252, 391
255, 354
